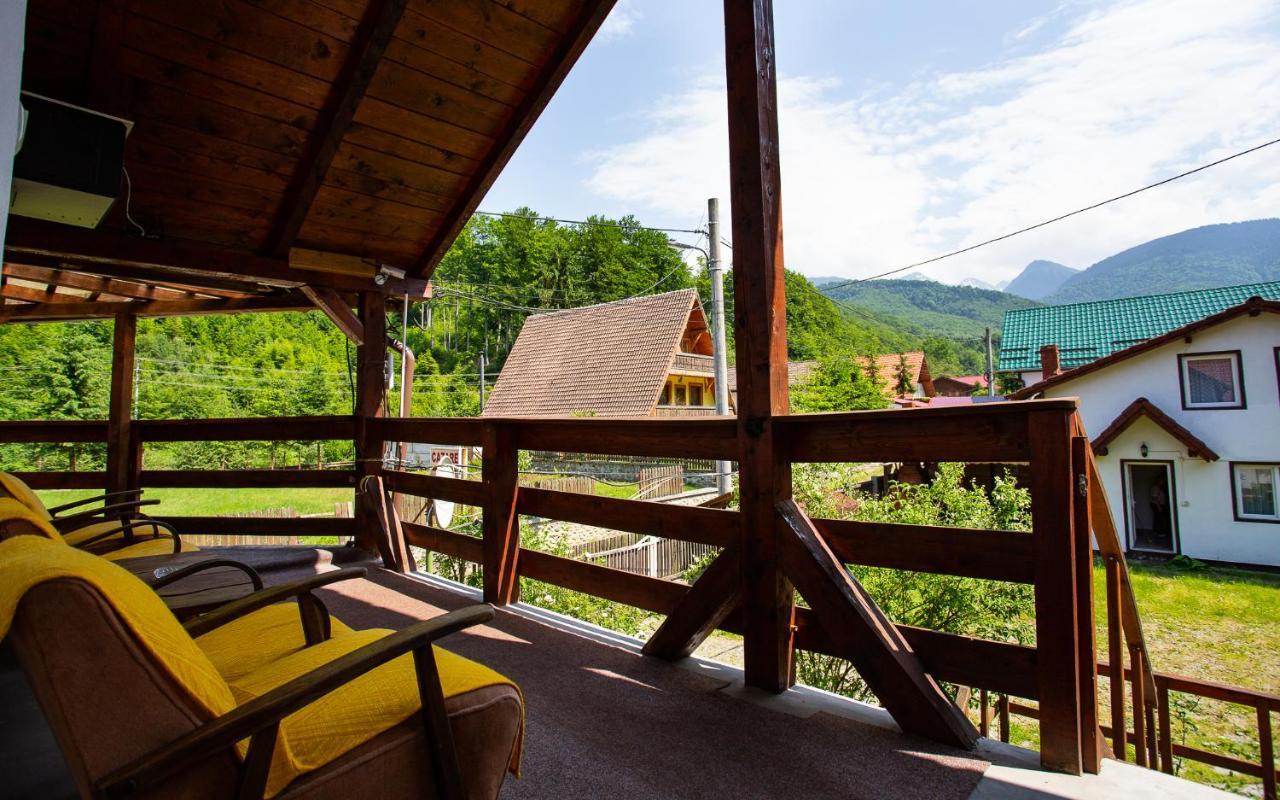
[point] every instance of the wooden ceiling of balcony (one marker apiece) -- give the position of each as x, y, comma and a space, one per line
369, 128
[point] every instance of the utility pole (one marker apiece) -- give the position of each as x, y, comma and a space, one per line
724, 483
991, 369
482, 362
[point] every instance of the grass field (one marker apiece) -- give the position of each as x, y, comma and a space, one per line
213, 502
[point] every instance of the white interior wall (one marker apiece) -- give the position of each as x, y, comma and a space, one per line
13, 15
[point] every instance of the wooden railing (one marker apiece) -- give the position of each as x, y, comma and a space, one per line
1043, 434
693, 363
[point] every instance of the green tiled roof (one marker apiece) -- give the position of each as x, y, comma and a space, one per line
1085, 332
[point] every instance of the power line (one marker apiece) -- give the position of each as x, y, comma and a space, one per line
1059, 218
589, 223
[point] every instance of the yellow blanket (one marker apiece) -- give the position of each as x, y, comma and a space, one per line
11, 509
309, 738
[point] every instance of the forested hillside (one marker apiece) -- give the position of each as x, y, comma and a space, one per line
1200, 258
929, 308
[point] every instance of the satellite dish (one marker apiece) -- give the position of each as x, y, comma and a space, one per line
442, 510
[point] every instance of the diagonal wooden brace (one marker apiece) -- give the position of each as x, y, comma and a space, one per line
710, 599
853, 621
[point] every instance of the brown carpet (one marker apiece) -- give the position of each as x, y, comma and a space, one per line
604, 722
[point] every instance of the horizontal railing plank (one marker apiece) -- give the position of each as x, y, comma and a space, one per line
246, 478
244, 429
263, 526
453, 431
52, 431
686, 523
666, 438
64, 480
471, 493
988, 432
995, 555
652, 594
964, 660
449, 543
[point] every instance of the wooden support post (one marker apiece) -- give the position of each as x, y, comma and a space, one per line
1003, 708
1268, 752
984, 714
1165, 738
1115, 654
371, 382
1139, 708
857, 626
760, 337
1090, 734
391, 542
1057, 631
122, 466
501, 526
707, 603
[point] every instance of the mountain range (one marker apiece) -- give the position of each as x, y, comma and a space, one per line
1039, 279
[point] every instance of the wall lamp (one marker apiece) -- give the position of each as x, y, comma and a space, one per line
1144, 449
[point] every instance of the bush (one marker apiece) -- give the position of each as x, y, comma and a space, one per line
968, 606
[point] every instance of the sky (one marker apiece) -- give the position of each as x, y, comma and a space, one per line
913, 129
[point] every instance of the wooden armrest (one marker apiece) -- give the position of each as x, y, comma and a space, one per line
273, 594
201, 566
114, 509
126, 527
260, 718
102, 498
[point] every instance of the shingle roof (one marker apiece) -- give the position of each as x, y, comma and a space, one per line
1085, 332
887, 366
609, 359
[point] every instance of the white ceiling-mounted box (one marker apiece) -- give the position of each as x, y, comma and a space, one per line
69, 163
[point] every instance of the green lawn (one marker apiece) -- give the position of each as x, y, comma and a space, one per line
214, 502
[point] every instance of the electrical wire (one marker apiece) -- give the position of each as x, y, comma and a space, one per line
589, 223
1059, 218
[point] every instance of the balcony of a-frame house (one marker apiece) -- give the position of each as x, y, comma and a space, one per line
296, 156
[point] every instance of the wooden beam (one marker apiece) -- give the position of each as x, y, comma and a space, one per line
709, 601
856, 624
371, 385
331, 126
247, 429
1057, 631
337, 310
755, 186
94, 283
51, 244
456, 490
641, 591
121, 466
686, 523
29, 294
391, 543
993, 555
570, 47
501, 524
151, 308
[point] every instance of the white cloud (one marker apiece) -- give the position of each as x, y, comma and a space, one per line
1127, 95
620, 22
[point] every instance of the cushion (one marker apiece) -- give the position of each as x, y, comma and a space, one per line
18, 489
258, 638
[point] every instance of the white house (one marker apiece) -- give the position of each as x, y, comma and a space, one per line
1186, 427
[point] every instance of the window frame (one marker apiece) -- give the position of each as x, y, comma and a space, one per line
1237, 501
1183, 387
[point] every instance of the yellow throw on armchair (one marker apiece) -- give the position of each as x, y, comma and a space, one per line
374, 681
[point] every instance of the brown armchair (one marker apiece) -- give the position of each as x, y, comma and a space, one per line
129, 729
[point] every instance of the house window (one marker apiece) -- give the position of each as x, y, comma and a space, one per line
695, 395
680, 396
1255, 491
664, 399
1211, 380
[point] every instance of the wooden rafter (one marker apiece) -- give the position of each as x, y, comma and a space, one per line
41, 312
33, 241
522, 118
337, 310
95, 284
347, 91
13, 291
702, 609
